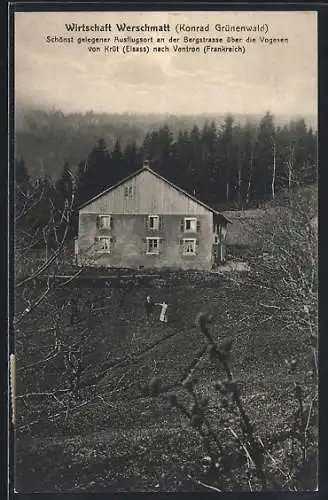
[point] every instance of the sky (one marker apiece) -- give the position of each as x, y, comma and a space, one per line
280, 77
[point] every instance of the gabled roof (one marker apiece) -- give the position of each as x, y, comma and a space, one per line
147, 169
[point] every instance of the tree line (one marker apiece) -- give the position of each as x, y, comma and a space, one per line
230, 165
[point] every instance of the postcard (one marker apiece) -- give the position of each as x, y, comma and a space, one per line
165, 224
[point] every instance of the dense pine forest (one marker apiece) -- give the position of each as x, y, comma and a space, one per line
233, 164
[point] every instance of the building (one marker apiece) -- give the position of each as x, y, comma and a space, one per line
146, 221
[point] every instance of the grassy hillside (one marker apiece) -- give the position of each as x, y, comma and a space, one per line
120, 438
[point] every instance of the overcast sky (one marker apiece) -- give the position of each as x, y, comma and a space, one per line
279, 78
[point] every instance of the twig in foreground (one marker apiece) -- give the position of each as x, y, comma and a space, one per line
197, 481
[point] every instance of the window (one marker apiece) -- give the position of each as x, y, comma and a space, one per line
103, 244
189, 247
152, 246
190, 225
128, 192
153, 222
104, 221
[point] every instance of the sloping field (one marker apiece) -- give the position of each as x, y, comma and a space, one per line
117, 437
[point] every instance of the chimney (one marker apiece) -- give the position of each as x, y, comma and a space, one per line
145, 163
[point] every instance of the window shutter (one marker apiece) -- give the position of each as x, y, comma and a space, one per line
198, 226
146, 222
98, 221
160, 223
182, 225
197, 242
111, 222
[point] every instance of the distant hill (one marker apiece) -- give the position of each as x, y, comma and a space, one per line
46, 139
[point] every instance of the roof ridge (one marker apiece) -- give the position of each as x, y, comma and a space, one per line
153, 172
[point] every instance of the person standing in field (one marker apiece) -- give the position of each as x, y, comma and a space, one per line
149, 306
163, 314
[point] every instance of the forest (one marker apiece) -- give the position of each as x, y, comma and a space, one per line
230, 165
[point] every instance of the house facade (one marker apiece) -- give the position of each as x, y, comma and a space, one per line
146, 221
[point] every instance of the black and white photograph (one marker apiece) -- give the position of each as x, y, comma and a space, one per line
165, 318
